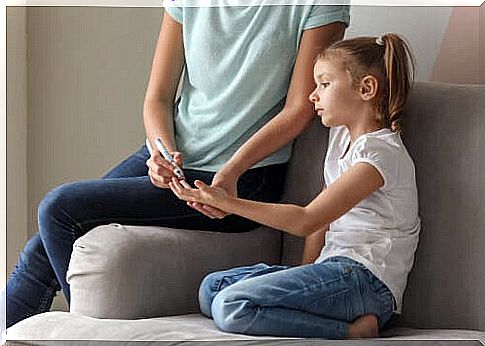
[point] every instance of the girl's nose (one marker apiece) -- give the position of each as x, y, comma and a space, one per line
313, 97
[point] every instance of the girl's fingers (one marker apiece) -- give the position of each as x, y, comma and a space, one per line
179, 188
174, 190
213, 211
200, 184
198, 207
185, 184
185, 193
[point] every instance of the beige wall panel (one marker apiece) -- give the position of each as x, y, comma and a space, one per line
16, 134
87, 74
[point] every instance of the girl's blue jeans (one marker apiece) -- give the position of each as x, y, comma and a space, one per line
124, 195
314, 300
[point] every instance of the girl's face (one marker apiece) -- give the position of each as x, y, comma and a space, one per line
336, 100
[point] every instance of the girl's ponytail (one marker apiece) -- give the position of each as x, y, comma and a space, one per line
399, 66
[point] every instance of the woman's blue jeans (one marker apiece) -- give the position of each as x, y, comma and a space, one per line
125, 195
315, 300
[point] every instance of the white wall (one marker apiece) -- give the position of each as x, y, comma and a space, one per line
423, 27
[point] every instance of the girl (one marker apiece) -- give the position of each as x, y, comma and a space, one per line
370, 203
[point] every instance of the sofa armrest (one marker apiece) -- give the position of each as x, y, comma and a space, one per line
129, 272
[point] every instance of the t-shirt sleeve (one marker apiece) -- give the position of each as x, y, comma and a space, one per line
175, 12
381, 155
325, 14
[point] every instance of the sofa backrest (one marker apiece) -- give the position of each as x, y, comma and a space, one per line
444, 132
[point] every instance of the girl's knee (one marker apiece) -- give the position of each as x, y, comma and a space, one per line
232, 312
208, 289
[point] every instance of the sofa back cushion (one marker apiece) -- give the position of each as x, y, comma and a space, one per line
444, 132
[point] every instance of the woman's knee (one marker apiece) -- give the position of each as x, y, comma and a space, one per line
52, 200
56, 205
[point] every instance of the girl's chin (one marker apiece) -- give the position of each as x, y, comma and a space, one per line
325, 122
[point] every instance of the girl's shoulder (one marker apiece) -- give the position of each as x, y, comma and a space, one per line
383, 139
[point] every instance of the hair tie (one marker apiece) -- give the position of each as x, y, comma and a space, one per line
380, 41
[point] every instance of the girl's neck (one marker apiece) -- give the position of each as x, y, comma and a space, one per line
359, 129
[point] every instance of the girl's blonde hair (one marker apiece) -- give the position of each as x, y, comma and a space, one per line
389, 59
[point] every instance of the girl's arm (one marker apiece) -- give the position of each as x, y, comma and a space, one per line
353, 186
168, 62
290, 122
313, 245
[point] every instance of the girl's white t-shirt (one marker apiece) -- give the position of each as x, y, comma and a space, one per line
381, 231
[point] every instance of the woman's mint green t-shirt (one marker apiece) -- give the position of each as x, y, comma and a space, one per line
239, 62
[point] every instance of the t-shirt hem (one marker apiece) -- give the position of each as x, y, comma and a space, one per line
174, 13
376, 166
328, 18
217, 167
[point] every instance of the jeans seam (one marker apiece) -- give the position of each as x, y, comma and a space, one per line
216, 287
50, 291
69, 224
322, 284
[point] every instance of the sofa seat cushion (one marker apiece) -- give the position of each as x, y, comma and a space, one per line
194, 327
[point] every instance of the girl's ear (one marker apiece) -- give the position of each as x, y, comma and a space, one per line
368, 87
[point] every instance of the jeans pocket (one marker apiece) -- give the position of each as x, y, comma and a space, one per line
334, 299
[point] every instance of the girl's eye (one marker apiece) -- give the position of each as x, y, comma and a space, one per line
324, 84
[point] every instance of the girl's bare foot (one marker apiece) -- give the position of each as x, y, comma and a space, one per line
366, 326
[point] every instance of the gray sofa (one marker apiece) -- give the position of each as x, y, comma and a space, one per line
123, 278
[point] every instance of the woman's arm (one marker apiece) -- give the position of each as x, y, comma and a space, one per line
353, 186
168, 62
297, 112
290, 122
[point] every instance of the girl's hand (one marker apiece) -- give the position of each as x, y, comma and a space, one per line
160, 170
221, 180
203, 194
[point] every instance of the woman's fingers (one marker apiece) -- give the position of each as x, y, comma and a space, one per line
157, 180
177, 156
160, 171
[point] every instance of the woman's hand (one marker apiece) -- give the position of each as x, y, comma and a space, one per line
221, 180
204, 194
160, 170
